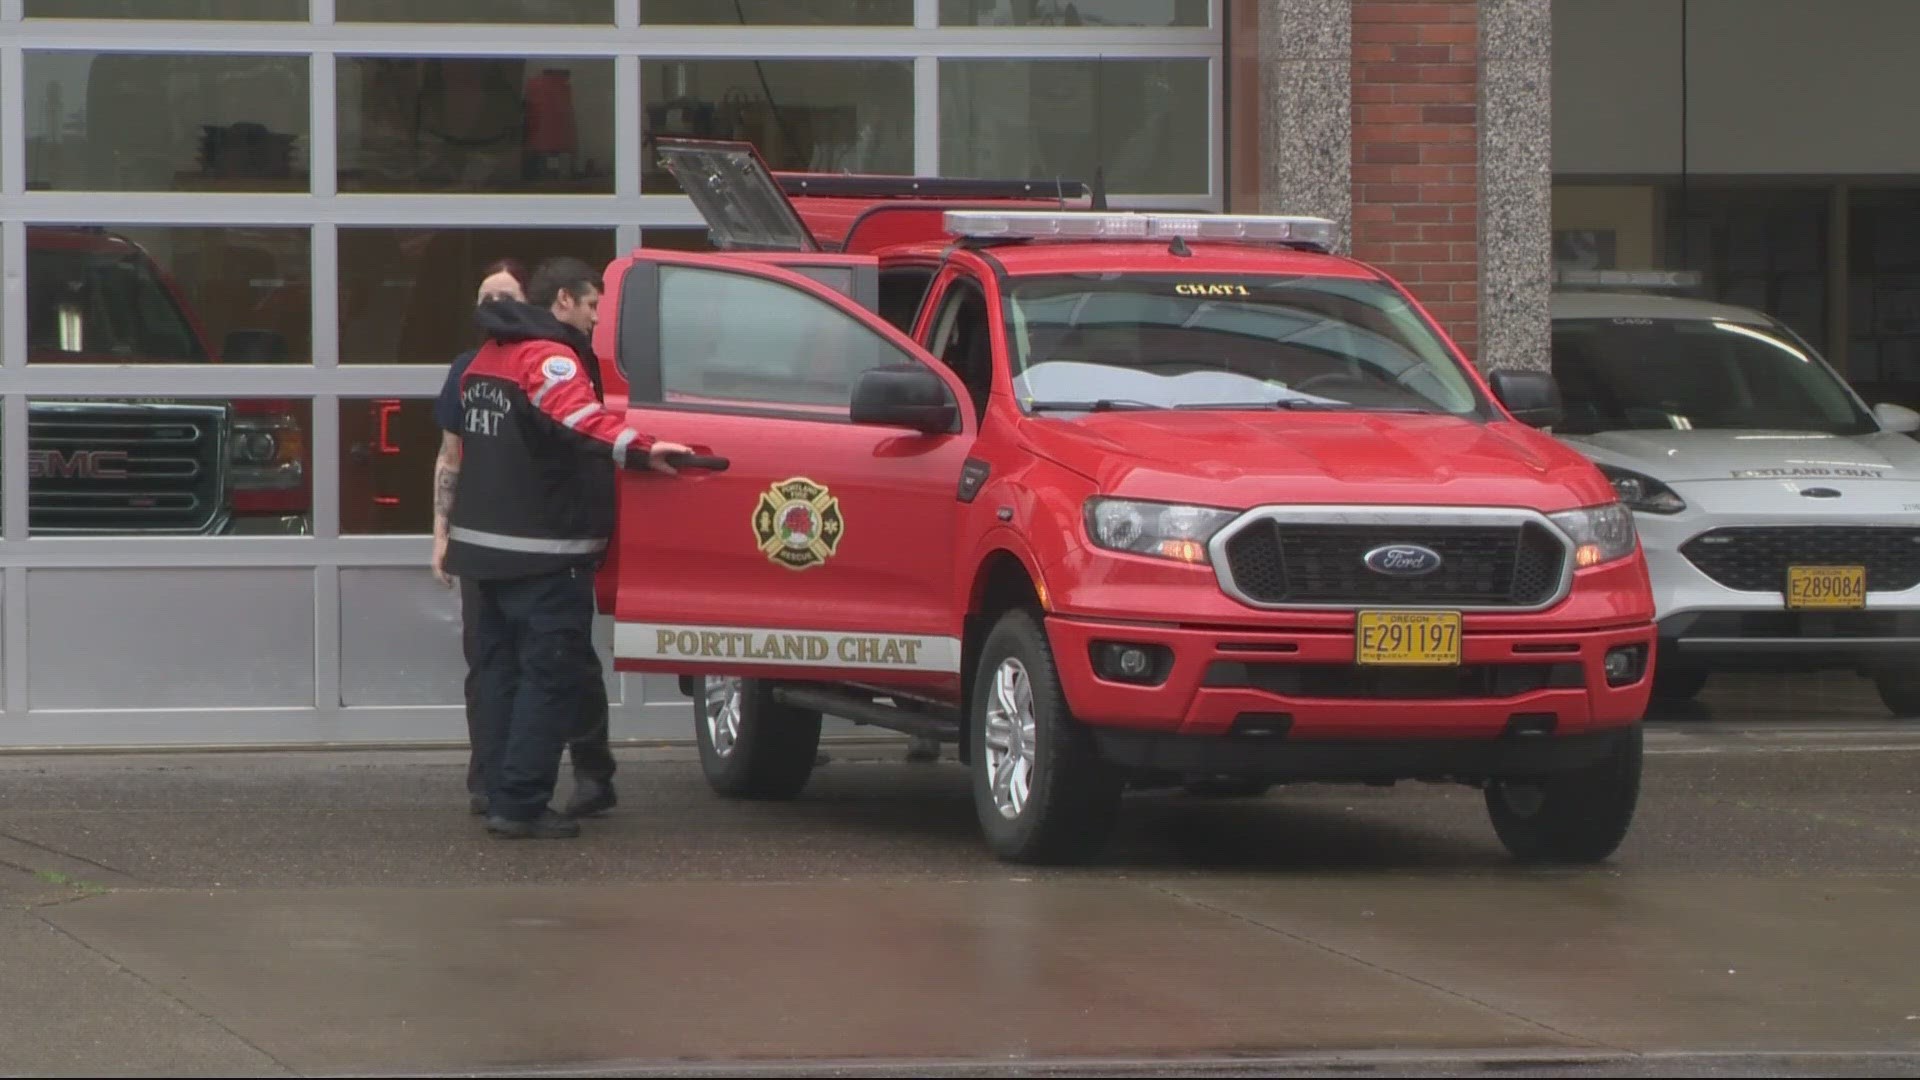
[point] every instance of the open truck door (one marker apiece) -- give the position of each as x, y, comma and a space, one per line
824, 549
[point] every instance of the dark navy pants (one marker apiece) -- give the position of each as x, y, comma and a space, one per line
588, 748
535, 675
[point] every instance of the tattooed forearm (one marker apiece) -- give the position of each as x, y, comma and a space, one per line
446, 477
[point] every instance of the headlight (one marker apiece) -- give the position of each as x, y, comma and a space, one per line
1600, 533
1643, 492
1165, 530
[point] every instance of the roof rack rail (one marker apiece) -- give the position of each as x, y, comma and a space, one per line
1577, 278
870, 186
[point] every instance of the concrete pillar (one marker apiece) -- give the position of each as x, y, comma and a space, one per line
1516, 183
1306, 89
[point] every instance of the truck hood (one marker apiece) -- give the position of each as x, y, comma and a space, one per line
1243, 459
1683, 456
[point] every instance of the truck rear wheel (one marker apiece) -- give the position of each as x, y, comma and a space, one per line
1040, 788
752, 747
1575, 817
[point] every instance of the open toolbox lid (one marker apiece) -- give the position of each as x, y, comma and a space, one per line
735, 192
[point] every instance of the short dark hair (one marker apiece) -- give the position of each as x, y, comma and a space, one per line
562, 273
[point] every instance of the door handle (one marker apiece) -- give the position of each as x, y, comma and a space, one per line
698, 461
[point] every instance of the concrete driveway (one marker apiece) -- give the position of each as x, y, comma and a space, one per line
338, 912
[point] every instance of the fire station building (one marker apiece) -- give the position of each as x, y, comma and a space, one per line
305, 191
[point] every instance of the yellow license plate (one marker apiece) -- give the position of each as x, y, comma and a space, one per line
1826, 587
1408, 638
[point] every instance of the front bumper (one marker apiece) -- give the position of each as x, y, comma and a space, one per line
1706, 624
1303, 684
1777, 640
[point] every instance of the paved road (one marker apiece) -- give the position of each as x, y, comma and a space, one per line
337, 912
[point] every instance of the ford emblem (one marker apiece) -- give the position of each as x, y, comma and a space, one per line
1403, 560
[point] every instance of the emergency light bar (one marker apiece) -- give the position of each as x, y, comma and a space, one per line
1629, 279
1082, 225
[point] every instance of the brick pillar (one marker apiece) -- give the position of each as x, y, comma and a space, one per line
1416, 152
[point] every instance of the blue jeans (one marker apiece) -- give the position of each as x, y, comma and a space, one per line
535, 677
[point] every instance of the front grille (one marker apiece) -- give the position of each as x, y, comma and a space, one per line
111, 467
1274, 562
1431, 684
1756, 558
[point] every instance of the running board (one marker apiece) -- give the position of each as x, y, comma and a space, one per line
863, 711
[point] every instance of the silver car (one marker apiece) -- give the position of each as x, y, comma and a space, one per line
1780, 514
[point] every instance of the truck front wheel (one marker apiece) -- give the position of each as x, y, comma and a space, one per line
752, 747
1040, 788
1575, 817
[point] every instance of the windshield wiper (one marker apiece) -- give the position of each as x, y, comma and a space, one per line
1305, 405
1096, 405
1349, 406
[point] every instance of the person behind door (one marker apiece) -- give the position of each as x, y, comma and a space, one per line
528, 523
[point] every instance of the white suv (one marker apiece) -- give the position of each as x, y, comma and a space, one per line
1780, 515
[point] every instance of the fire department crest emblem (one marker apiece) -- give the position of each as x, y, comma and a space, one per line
798, 523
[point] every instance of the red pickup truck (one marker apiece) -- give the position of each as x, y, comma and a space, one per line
1112, 500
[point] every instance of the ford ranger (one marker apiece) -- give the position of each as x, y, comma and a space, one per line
1110, 500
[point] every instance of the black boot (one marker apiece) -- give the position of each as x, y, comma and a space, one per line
591, 797
548, 826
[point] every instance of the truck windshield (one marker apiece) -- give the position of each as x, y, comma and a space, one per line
1637, 374
84, 303
1229, 342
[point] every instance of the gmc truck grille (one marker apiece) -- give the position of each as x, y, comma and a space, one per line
112, 467
1506, 565
1755, 559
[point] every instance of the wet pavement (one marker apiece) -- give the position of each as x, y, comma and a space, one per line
338, 913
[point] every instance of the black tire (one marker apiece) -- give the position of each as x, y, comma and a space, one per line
1899, 692
1675, 683
1575, 817
772, 751
1072, 794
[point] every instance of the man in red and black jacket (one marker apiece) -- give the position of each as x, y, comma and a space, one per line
531, 520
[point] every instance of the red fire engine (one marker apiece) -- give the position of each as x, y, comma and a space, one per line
1111, 500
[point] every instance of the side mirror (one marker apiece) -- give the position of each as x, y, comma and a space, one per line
905, 395
254, 347
1897, 418
1531, 396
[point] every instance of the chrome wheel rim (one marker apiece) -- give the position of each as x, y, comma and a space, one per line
1009, 759
723, 714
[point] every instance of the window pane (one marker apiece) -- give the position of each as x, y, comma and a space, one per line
778, 12
796, 352
387, 450
1146, 121
475, 11
209, 467
407, 295
1073, 12
1883, 294
508, 126
163, 122
258, 10
169, 295
802, 115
